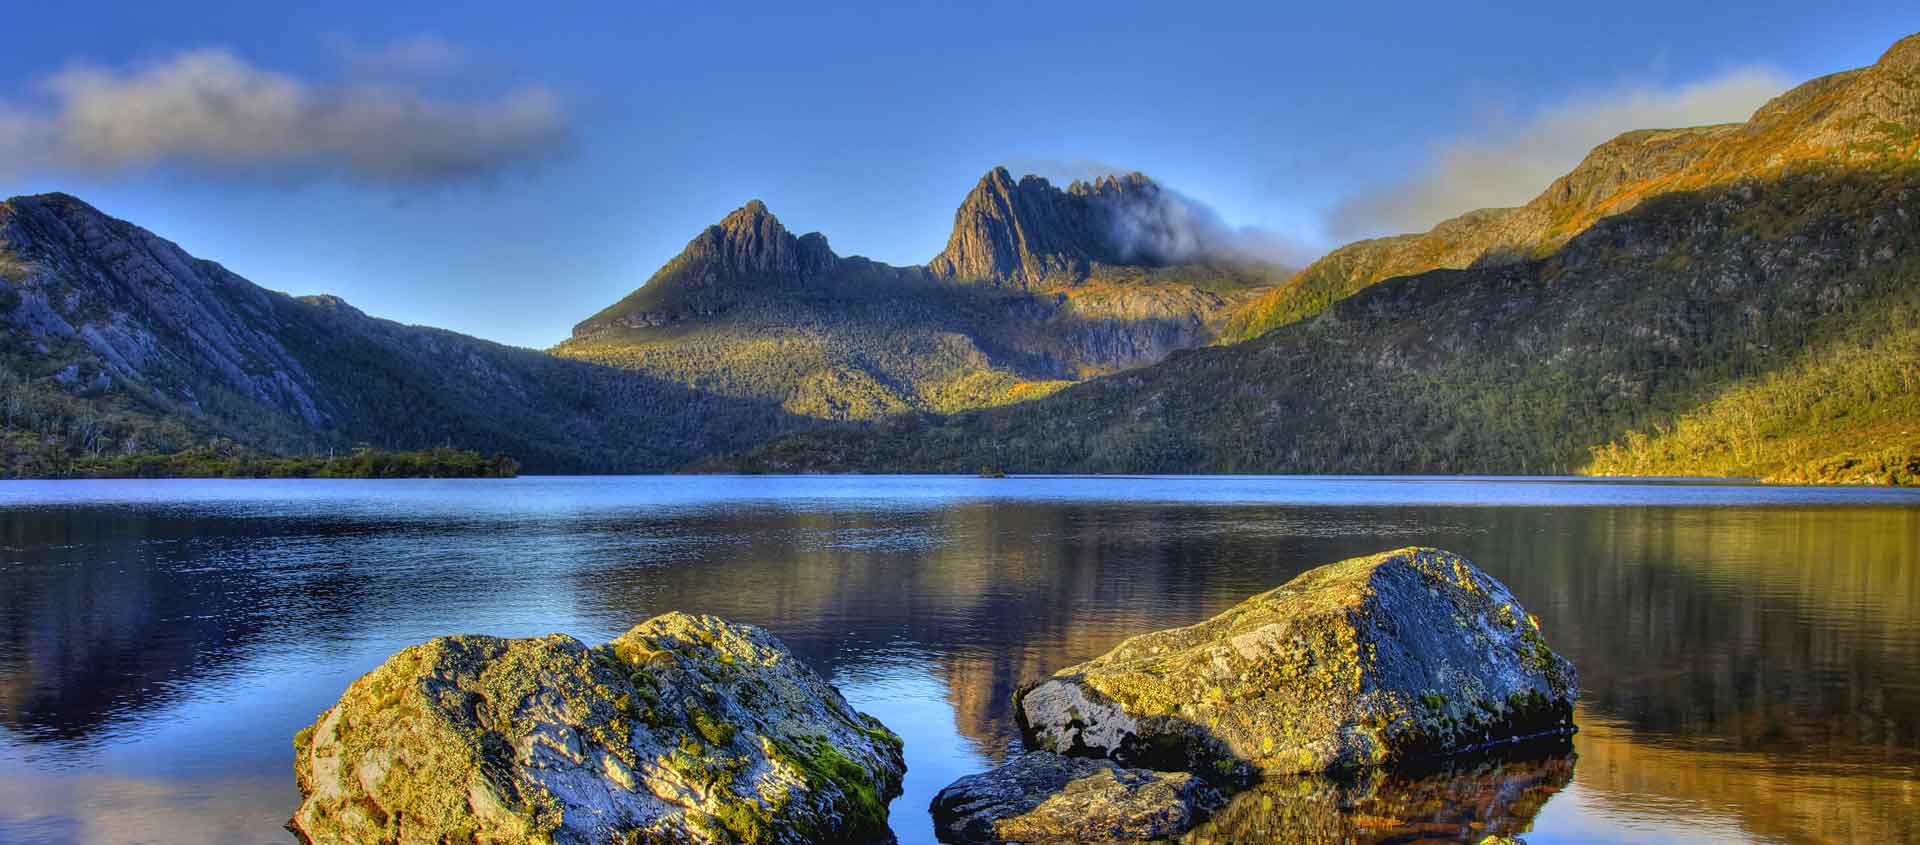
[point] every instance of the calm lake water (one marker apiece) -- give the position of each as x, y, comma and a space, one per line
1749, 657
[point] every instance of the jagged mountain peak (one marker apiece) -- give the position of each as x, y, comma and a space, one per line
750, 242
1016, 232
1133, 183
1028, 233
747, 250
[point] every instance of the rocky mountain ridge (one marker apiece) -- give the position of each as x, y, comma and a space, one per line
1038, 287
1735, 299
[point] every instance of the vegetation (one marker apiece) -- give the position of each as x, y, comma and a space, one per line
840, 350
1645, 319
1816, 420
210, 462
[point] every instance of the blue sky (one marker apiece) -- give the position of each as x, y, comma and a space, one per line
509, 169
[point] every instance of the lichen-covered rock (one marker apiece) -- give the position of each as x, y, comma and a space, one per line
686, 729
1044, 797
1403, 655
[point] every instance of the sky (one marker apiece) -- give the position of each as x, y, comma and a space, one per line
508, 170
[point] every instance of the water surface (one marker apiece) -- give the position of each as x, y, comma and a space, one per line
1749, 656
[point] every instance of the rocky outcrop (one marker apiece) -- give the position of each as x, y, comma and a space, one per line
747, 253
686, 729
1029, 234
1044, 797
1018, 232
1400, 656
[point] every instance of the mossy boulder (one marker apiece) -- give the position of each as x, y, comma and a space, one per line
1403, 655
1044, 797
686, 729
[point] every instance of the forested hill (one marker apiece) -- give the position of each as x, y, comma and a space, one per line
114, 340
1749, 305
1038, 287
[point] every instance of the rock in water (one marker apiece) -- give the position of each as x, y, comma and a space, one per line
1403, 655
1044, 797
686, 729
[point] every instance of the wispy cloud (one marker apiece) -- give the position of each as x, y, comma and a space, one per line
1166, 225
212, 111
1512, 161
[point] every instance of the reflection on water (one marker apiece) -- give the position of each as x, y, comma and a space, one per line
1463, 800
1749, 656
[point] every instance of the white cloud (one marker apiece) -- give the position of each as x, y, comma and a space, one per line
211, 110
1509, 164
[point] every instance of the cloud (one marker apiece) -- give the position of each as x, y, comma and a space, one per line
1510, 163
1156, 224
211, 111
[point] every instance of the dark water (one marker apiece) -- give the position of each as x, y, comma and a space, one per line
1749, 657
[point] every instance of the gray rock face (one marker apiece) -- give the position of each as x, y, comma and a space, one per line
686, 729
150, 312
1045, 797
1028, 233
1403, 655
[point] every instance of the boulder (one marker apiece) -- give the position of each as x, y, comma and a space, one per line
1403, 655
1044, 797
686, 729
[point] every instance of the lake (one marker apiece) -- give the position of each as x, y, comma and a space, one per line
1749, 656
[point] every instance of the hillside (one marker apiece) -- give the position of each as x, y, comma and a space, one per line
114, 339
1849, 118
1630, 313
1038, 287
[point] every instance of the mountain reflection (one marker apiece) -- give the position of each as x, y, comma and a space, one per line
1761, 662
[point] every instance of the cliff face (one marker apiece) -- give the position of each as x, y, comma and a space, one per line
1848, 119
1030, 235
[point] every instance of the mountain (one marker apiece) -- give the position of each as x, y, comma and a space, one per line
1038, 287
112, 338
1740, 299
1854, 118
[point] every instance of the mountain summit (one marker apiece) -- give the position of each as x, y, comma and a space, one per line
745, 256
751, 242
1030, 234
1038, 286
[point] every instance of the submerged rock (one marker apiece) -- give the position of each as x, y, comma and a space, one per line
686, 729
1403, 655
1044, 797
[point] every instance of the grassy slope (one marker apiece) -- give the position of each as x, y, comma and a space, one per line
850, 351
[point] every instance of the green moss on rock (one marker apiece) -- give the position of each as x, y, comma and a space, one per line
1403, 655
664, 735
